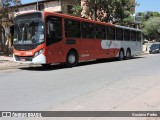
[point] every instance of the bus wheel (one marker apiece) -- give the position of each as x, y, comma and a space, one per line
72, 59
128, 54
121, 55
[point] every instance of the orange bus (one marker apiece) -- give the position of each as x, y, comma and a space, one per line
47, 37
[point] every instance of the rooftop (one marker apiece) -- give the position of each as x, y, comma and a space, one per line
40, 1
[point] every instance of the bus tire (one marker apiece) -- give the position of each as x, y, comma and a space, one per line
128, 54
71, 59
121, 55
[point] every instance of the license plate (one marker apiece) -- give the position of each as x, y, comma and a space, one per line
22, 59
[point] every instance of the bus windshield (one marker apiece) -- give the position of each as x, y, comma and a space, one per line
29, 32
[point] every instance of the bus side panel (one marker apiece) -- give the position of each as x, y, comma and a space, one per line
89, 49
112, 47
55, 53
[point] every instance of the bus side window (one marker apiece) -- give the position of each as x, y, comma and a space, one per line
100, 32
133, 35
88, 30
127, 35
53, 29
119, 34
111, 33
138, 36
51, 32
72, 28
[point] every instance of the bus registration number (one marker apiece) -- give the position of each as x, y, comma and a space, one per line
22, 59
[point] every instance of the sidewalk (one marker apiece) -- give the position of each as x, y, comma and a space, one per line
6, 58
6, 62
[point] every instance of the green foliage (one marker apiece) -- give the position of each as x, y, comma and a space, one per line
150, 24
123, 11
5, 7
77, 10
150, 14
152, 28
114, 11
147, 15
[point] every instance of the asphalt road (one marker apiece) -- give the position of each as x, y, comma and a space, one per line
95, 86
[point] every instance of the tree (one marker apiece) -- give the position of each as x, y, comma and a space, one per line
97, 9
101, 10
114, 11
152, 28
6, 9
5, 17
150, 14
77, 10
123, 11
148, 20
147, 15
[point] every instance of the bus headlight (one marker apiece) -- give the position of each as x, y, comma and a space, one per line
38, 52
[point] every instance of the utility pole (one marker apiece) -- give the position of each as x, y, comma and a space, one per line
37, 6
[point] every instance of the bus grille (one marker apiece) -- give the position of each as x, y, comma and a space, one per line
23, 58
25, 47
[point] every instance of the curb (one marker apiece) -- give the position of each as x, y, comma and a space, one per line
12, 65
144, 53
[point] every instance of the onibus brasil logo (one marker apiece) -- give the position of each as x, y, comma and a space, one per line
21, 114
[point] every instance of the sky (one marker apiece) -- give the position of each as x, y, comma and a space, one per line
145, 5
148, 5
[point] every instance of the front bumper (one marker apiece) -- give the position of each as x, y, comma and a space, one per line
40, 59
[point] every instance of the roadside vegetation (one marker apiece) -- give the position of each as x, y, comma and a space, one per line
113, 11
151, 25
6, 10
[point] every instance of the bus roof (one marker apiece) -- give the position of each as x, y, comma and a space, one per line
91, 21
129, 28
78, 18
81, 19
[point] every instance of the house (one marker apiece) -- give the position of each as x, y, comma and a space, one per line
61, 6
